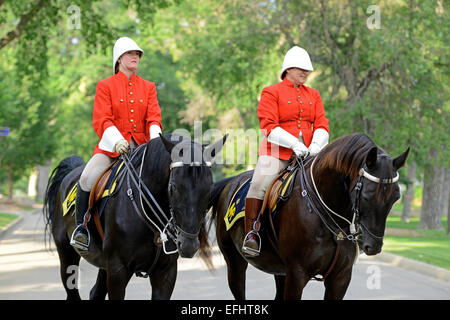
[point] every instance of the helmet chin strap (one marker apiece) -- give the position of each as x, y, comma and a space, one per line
128, 71
123, 65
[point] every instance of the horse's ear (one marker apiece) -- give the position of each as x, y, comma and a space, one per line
400, 160
167, 144
213, 149
371, 158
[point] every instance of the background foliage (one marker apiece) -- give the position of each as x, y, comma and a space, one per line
210, 61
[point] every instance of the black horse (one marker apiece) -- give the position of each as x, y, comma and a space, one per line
340, 198
176, 172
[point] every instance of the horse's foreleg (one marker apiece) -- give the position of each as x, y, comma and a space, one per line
163, 281
279, 282
117, 278
336, 285
99, 291
296, 280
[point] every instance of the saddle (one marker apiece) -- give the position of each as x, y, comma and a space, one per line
104, 186
281, 188
278, 191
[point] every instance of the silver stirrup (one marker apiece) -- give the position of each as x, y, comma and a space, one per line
250, 251
77, 244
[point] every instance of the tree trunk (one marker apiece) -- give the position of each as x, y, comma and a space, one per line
448, 217
445, 192
10, 186
409, 193
44, 172
32, 183
430, 217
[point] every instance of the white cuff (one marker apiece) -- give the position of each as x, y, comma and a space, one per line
282, 138
155, 130
320, 137
109, 139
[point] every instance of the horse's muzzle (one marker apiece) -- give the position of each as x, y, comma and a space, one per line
369, 247
187, 247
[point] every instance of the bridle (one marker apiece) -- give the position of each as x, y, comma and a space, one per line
180, 164
355, 204
354, 228
167, 227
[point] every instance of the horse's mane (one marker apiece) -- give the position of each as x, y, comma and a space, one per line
345, 155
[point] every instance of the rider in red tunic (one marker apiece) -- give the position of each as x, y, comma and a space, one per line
292, 118
126, 112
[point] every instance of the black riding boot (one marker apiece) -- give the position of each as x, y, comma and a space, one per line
80, 236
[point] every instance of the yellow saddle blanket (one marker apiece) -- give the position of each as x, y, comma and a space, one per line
110, 174
278, 189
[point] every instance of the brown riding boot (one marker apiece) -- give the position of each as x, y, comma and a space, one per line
251, 240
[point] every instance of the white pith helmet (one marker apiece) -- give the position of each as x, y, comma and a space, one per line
296, 57
121, 46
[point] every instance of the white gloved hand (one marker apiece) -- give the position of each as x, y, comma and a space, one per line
319, 140
313, 149
122, 146
300, 149
283, 138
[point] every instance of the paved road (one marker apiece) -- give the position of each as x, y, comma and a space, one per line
29, 271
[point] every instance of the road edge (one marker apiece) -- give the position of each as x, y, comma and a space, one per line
11, 224
414, 265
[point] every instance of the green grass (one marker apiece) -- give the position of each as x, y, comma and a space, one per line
6, 218
429, 246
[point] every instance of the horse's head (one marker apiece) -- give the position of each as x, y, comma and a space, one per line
190, 183
376, 193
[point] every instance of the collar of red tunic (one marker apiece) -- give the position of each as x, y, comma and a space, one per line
124, 77
289, 83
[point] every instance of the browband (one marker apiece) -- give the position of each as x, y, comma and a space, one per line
192, 164
367, 175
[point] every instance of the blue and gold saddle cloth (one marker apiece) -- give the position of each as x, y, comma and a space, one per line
111, 185
278, 194
236, 208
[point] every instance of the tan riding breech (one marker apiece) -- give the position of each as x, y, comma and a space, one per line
98, 163
95, 166
266, 170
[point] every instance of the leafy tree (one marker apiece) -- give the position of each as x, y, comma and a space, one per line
55, 54
26, 108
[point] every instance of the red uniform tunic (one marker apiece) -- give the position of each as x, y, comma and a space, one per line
292, 109
130, 105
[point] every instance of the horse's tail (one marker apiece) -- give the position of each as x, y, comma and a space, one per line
205, 246
215, 194
54, 182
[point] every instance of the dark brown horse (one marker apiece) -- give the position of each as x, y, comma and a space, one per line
357, 185
179, 178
